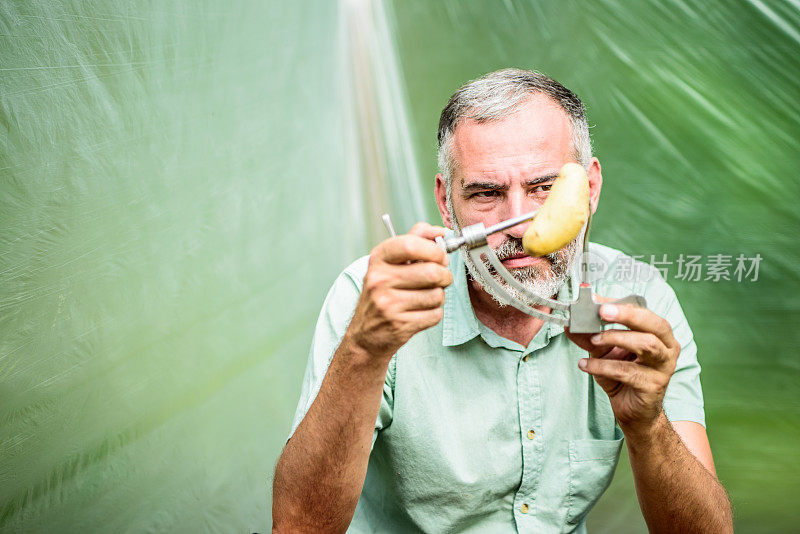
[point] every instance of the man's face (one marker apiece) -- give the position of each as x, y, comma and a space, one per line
504, 169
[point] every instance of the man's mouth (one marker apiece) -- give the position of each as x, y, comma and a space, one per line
515, 261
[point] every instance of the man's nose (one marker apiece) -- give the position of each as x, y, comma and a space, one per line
519, 204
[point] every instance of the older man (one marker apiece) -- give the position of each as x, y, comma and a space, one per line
425, 409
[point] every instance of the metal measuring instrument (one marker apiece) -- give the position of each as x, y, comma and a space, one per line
582, 314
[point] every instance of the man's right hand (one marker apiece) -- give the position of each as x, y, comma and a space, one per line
403, 292
322, 468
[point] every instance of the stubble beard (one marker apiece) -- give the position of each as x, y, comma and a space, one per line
542, 281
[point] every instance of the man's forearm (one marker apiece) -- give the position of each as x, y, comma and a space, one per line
321, 471
676, 492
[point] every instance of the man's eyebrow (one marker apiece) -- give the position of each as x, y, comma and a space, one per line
494, 186
483, 186
540, 179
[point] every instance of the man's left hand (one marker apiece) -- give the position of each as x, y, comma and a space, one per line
632, 366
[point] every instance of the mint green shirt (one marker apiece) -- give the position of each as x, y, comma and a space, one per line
477, 433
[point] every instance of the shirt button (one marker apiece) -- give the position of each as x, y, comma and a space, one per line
524, 508
531, 434
525, 358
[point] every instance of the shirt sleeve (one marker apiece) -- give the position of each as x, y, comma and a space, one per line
334, 318
683, 400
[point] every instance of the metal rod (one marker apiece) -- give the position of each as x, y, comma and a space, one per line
508, 223
478, 233
585, 255
387, 222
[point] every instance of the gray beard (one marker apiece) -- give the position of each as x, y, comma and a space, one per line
544, 282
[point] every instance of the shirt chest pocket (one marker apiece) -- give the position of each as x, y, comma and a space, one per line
591, 467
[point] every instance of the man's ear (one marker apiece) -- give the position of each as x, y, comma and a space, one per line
595, 183
440, 191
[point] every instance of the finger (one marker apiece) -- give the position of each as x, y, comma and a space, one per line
582, 340
628, 373
420, 299
427, 231
418, 320
419, 275
618, 353
641, 319
409, 247
650, 349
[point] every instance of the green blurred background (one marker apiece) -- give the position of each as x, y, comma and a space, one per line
181, 181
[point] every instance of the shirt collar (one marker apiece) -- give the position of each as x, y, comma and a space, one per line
459, 323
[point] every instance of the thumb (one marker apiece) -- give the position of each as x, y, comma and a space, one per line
427, 231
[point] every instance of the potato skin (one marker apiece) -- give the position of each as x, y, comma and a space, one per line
562, 215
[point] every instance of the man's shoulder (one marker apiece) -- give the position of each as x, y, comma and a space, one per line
613, 269
356, 271
347, 286
616, 274
612, 255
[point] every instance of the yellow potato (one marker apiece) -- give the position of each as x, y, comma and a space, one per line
562, 215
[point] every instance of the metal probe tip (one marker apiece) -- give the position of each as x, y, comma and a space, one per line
508, 223
387, 222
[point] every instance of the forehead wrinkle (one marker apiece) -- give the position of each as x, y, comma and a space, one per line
542, 129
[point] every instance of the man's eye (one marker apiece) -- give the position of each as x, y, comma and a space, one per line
542, 188
486, 194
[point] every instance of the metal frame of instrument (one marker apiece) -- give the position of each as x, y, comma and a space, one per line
583, 313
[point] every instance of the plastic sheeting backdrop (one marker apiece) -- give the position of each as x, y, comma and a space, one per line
181, 182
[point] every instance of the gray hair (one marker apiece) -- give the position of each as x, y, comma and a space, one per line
499, 94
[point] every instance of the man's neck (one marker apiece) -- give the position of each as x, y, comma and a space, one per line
505, 321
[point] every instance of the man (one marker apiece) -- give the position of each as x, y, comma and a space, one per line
426, 409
